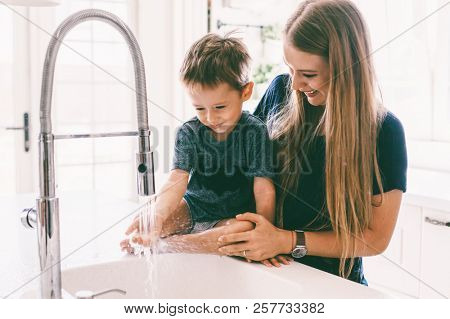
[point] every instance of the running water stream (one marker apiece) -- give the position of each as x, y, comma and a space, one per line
146, 217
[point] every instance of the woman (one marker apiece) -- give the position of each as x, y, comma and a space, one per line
342, 156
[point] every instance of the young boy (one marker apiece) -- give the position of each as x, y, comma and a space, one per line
222, 162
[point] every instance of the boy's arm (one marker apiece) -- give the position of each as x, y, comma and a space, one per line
175, 187
167, 200
171, 193
264, 191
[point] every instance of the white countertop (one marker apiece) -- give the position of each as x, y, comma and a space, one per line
92, 225
93, 221
429, 189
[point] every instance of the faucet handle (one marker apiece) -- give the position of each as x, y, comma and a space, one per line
28, 217
87, 294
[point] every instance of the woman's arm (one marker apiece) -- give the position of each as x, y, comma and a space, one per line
266, 241
264, 197
374, 240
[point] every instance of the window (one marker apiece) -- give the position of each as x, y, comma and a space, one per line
414, 76
260, 29
413, 70
88, 99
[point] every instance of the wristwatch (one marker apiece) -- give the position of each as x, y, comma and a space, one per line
300, 245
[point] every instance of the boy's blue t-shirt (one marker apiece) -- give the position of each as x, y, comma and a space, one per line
305, 207
222, 172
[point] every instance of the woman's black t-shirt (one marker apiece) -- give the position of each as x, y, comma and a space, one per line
305, 209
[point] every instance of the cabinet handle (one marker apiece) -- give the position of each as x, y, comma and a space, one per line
436, 222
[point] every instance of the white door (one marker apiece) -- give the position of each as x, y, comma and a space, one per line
15, 154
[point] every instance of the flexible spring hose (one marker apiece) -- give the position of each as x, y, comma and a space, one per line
50, 61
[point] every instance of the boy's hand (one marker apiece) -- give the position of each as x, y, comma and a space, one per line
126, 246
154, 227
143, 239
137, 241
134, 226
129, 244
140, 238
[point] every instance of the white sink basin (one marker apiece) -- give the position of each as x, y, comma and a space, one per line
178, 275
208, 276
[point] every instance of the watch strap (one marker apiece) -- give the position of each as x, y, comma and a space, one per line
300, 238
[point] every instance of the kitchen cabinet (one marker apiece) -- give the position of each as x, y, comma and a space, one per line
398, 268
417, 262
435, 254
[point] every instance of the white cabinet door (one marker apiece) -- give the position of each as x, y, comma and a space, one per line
435, 261
398, 267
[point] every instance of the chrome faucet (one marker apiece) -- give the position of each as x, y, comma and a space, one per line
47, 217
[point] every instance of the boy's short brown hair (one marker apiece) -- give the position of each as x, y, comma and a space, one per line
216, 59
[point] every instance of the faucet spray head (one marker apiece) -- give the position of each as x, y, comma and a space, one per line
145, 174
144, 165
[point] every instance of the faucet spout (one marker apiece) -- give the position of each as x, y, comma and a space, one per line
47, 204
52, 52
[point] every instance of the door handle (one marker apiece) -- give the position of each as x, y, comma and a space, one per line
26, 130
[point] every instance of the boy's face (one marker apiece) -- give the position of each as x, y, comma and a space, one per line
220, 107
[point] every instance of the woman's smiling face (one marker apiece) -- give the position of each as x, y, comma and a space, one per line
310, 74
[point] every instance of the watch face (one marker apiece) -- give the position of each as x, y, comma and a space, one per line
299, 252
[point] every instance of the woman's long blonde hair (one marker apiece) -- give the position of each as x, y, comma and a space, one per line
335, 30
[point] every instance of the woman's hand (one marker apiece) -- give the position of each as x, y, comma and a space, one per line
261, 244
277, 261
